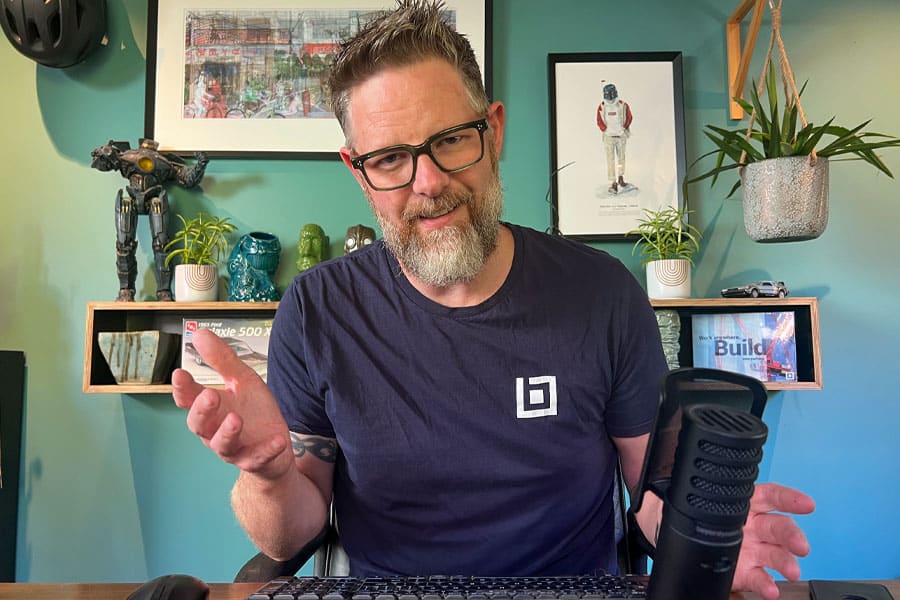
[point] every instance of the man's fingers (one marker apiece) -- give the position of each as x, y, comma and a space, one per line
757, 580
184, 388
219, 355
773, 528
226, 440
204, 418
771, 496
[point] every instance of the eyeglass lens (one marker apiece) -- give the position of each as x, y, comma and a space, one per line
451, 151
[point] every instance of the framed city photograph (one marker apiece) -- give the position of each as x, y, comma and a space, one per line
246, 79
616, 140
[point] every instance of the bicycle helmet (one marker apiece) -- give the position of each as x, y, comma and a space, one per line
55, 33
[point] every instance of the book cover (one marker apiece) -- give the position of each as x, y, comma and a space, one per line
761, 345
248, 337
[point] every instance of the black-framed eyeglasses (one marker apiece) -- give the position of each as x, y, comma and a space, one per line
452, 150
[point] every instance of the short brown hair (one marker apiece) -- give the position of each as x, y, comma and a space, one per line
414, 31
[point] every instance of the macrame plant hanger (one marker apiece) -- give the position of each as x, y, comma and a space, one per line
787, 76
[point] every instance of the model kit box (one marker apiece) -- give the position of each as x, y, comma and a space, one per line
759, 344
249, 338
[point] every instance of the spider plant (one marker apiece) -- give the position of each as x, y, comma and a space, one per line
201, 240
666, 234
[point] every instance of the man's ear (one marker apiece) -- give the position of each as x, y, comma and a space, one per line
496, 118
357, 174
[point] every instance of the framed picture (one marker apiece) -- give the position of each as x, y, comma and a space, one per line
244, 79
759, 344
616, 140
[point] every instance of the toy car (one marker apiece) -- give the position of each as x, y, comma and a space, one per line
756, 289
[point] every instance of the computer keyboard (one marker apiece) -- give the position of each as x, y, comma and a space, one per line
441, 587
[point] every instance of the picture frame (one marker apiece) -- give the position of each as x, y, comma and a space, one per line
585, 204
239, 82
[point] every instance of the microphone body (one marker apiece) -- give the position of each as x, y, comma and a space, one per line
706, 503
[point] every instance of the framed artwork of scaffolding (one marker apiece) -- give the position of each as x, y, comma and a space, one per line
237, 79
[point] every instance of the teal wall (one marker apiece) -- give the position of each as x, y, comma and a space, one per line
114, 488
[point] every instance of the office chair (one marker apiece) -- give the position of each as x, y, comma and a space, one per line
329, 558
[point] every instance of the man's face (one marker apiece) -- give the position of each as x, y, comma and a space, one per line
442, 226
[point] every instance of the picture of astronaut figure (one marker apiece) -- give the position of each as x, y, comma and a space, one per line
614, 120
146, 170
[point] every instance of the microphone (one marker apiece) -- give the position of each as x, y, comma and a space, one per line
706, 503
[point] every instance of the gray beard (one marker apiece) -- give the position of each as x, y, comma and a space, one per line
454, 254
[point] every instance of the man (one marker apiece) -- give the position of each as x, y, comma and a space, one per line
462, 389
614, 120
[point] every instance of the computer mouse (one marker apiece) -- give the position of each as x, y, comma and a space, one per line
172, 587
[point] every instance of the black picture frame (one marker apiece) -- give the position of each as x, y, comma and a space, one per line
245, 46
584, 207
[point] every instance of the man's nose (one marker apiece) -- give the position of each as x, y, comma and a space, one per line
430, 180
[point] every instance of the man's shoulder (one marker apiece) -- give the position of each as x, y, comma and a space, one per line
365, 263
559, 245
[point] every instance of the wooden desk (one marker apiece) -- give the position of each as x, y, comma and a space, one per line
240, 591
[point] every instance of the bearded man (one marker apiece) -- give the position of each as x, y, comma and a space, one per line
462, 390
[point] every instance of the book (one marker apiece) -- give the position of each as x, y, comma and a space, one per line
248, 337
758, 344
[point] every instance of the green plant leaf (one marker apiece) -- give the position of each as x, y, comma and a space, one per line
201, 240
775, 134
666, 233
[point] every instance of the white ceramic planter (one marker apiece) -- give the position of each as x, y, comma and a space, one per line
785, 199
669, 278
196, 283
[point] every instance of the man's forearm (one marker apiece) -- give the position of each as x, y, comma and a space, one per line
650, 517
279, 516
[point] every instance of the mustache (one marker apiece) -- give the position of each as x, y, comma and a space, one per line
436, 206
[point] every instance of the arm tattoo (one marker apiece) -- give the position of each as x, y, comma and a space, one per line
321, 447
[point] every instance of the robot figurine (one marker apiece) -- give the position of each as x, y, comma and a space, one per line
146, 170
358, 237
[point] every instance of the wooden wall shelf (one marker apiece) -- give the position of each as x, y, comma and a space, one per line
167, 317
806, 330
136, 316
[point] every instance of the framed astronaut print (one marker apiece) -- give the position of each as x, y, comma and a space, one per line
247, 79
616, 140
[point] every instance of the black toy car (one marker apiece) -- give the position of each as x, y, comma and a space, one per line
756, 289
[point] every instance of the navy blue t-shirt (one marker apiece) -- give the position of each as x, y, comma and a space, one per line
472, 440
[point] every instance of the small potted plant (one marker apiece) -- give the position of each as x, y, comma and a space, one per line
667, 243
783, 163
199, 245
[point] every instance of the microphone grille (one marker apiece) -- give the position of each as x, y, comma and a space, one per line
716, 464
741, 454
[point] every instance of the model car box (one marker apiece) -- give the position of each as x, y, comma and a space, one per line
249, 338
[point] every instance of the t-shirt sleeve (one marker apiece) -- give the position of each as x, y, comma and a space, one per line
290, 369
639, 365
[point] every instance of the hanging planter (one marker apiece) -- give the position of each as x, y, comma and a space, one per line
785, 199
782, 158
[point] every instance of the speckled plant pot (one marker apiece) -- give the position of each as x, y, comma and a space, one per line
785, 199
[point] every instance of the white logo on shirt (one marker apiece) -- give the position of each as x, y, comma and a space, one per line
537, 398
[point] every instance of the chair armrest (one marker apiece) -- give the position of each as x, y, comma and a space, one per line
262, 569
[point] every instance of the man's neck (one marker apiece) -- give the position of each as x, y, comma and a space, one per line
483, 286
